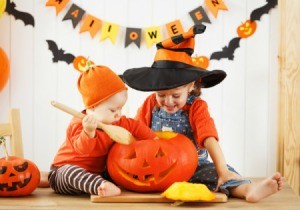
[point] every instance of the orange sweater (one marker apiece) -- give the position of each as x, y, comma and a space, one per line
91, 154
202, 124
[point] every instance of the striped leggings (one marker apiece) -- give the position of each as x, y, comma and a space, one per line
73, 180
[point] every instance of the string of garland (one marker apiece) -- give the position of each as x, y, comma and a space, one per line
152, 35
133, 35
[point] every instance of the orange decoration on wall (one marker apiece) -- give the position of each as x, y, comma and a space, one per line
201, 61
246, 29
82, 64
4, 69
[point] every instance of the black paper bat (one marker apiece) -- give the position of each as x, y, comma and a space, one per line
59, 54
227, 52
25, 17
257, 13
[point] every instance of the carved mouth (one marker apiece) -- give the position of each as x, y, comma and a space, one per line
14, 185
147, 179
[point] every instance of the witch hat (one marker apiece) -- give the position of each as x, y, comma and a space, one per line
173, 66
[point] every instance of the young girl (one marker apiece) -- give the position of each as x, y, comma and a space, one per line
176, 106
80, 162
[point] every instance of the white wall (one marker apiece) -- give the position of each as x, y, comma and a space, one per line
244, 105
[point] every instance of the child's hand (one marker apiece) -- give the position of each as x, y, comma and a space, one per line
89, 123
224, 177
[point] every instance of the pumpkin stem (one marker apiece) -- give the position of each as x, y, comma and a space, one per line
3, 144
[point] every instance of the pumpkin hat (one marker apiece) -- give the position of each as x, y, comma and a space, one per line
173, 66
98, 83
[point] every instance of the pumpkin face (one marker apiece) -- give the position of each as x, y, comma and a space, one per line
153, 165
81, 64
18, 177
4, 69
201, 61
246, 29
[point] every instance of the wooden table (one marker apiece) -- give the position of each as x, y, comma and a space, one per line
45, 198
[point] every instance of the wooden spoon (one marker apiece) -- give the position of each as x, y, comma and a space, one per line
116, 133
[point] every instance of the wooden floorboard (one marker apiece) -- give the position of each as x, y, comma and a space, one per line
45, 198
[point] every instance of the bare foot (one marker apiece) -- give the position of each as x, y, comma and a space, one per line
44, 179
108, 189
265, 188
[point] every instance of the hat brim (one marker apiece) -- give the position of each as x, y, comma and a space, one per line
154, 79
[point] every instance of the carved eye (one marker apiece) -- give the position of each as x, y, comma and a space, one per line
131, 155
3, 169
21, 168
159, 153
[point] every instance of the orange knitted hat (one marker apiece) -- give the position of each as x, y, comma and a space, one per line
97, 84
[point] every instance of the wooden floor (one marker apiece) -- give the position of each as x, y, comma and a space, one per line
44, 198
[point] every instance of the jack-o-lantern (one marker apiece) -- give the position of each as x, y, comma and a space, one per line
82, 64
153, 165
4, 69
200, 61
18, 176
246, 29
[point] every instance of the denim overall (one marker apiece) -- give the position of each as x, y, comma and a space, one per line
179, 122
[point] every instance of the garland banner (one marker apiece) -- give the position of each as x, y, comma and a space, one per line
110, 30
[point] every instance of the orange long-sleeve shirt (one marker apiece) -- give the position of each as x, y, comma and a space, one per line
91, 153
201, 122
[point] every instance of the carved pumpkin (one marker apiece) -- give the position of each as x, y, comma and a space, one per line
246, 29
18, 176
154, 164
200, 61
82, 64
4, 69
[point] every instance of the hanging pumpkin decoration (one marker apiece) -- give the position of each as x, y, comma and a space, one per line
153, 165
82, 64
201, 61
4, 69
18, 176
246, 29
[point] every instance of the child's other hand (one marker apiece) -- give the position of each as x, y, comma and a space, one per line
224, 177
89, 123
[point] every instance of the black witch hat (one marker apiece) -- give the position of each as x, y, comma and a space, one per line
173, 66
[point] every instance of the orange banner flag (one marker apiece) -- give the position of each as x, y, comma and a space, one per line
59, 5
90, 24
174, 28
215, 5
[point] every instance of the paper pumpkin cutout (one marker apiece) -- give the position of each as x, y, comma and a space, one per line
82, 64
154, 164
234, 43
246, 29
4, 69
201, 61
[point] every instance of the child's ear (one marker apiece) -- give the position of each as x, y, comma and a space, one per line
191, 86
